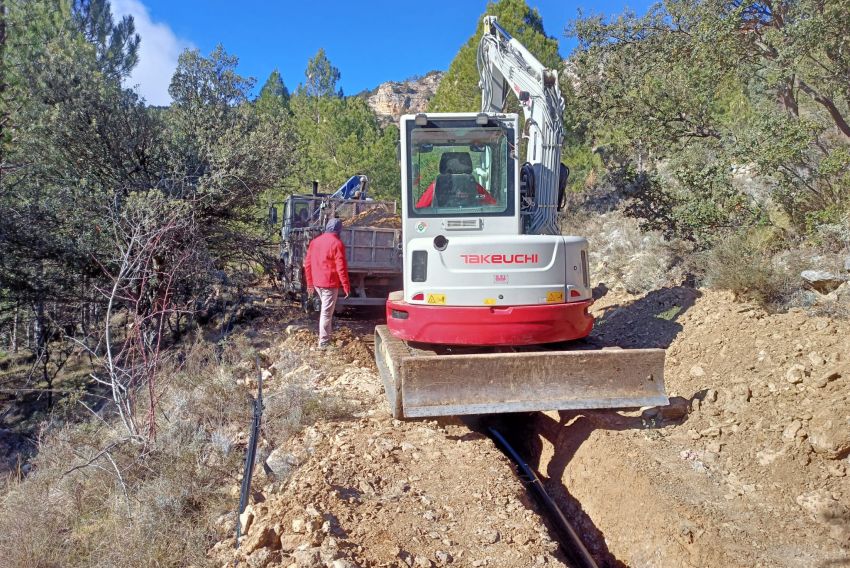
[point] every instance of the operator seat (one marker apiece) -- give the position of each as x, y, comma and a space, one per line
455, 186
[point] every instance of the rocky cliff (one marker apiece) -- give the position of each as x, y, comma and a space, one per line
392, 99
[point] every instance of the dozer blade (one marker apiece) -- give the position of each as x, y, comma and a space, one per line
419, 383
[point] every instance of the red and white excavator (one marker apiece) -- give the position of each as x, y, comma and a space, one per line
492, 289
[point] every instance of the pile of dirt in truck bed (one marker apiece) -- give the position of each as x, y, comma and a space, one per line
378, 216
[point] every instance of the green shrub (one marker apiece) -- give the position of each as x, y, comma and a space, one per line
742, 263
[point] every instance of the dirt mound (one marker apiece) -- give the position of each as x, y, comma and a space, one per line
755, 474
378, 216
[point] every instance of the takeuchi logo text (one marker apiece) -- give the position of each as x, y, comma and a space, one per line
499, 258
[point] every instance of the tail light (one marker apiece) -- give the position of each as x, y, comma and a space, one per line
584, 269
419, 266
420, 296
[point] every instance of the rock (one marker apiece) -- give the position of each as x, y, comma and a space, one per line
245, 520
423, 562
443, 557
263, 537
821, 280
289, 542
829, 432
292, 329
836, 469
817, 359
821, 505
741, 393
490, 536
795, 374
392, 99
329, 551
299, 526
343, 563
791, 430
697, 371
280, 463
266, 374
711, 432
308, 558
847, 264
260, 559
767, 456
826, 378
842, 293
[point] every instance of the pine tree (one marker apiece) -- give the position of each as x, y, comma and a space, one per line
274, 96
322, 77
117, 44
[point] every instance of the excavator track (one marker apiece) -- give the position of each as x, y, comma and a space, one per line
424, 380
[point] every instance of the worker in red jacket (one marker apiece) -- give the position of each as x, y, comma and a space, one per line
326, 272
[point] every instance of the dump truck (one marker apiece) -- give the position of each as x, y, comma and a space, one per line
371, 234
494, 296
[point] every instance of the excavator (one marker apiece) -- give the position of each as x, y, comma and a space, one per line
495, 297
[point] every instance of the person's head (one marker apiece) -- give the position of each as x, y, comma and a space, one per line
334, 226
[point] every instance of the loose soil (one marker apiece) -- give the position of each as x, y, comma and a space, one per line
748, 467
374, 491
378, 216
755, 474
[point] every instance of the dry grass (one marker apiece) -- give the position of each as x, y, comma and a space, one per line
743, 263
147, 506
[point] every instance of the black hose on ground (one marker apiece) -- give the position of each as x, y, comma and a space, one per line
574, 548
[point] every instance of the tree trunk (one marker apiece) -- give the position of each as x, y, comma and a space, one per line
787, 97
829, 105
41, 350
14, 343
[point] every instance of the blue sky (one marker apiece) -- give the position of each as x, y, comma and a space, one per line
369, 41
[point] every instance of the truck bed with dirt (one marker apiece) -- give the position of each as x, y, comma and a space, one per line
371, 234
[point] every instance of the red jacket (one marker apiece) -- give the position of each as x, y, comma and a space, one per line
325, 265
